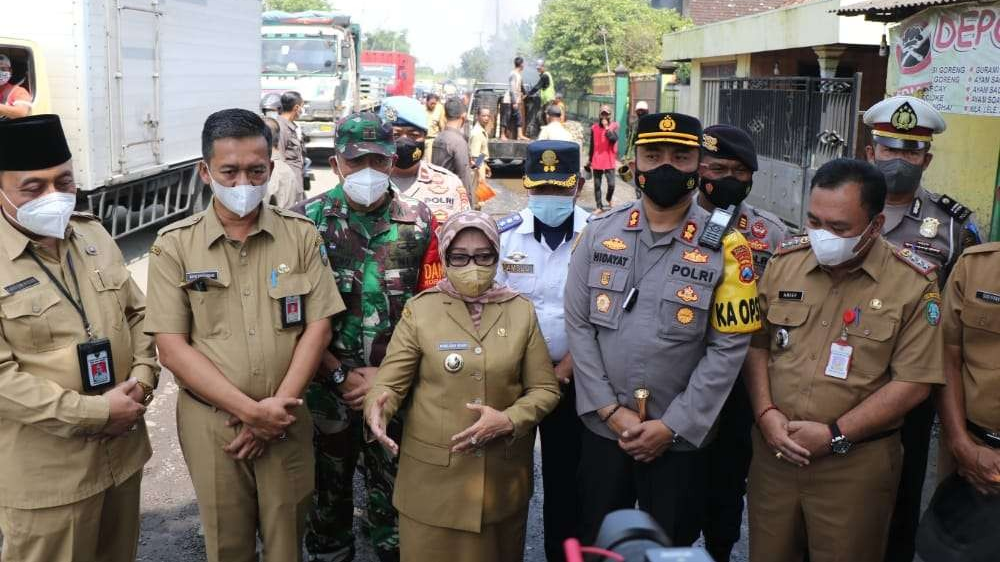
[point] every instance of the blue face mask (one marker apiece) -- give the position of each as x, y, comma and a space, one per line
553, 210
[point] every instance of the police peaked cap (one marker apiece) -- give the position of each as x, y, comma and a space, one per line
32, 143
672, 128
731, 143
904, 122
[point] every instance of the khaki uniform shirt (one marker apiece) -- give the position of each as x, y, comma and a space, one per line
439, 189
936, 227
435, 120
479, 143
668, 343
972, 321
44, 416
502, 364
291, 148
284, 188
228, 295
896, 337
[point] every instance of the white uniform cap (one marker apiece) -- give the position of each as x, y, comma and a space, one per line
904, 122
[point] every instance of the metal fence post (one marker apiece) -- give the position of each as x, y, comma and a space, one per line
621, 108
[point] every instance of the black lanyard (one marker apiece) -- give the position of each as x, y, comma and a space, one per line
62, 289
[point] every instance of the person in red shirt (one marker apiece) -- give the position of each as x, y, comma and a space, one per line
15, 101
603, 148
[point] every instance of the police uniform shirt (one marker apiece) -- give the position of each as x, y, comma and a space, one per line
894, 296
763, 230
44, 415
936, 227
670, 342
536, 271
972, 320
439, 189
229, 296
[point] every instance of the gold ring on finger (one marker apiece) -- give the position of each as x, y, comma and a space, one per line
778, 455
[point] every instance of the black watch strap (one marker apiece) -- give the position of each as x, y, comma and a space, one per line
835, 431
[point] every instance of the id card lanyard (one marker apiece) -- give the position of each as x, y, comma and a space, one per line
840, 351
78, 305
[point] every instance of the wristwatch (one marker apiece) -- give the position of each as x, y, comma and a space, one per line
147, 393
338, 375
839, 444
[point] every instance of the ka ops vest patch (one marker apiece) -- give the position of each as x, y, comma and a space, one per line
736, 308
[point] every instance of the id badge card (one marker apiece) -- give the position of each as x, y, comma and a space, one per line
840, 360
293, 311
96, 366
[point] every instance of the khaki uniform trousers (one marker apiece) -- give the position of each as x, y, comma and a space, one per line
497, 542
234, 496
837, 508
101, 528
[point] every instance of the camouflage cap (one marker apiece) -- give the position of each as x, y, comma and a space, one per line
364, 133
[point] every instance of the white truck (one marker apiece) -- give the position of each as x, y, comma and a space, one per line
133, 81
316, 54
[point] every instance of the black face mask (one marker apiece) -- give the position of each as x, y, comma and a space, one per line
900, 175
666, 185
408, 152
725, 191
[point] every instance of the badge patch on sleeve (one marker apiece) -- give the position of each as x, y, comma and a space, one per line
735, 307
932, 308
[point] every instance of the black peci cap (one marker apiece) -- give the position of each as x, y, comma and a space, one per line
32, 143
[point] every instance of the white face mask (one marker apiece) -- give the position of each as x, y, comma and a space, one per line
367, 186
4, 78
47, 215
832, 250
240, 199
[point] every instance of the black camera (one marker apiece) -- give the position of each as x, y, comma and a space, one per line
636, 537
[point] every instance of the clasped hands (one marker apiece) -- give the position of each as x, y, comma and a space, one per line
797, 442
644, 441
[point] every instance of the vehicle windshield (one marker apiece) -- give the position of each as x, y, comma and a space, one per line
299, 55
386, 72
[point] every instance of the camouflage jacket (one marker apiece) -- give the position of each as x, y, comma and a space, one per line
380, 259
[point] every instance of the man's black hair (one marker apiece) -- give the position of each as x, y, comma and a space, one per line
841, 171
232, 124
518, 61
289, 100
454, 108
431, 96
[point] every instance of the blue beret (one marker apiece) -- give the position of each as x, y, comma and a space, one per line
402, 111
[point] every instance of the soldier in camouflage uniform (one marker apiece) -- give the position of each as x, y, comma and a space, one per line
382, 249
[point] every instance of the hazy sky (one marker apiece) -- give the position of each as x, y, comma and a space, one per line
439, 30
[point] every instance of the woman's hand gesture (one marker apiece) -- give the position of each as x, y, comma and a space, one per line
491, 424
378, 428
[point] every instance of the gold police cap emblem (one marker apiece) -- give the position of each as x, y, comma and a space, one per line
549, 161
710, 143
453, 363
904, 118
667, 123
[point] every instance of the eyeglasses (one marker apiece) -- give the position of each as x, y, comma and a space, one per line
462, 260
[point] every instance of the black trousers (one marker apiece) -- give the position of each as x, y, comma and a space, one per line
670, 489
916, 436
609, 176
561, 431
728, 465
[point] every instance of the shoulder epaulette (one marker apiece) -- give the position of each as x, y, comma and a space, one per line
609, 213
192, 220
440, 170
509, 222
983, 248
910, 258
954, 209
792, 244
84, 215
289, 213
768, 216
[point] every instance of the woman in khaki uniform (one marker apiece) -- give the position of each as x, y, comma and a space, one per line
469, 355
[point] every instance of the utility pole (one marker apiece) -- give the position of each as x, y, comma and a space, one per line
607, 61
496, 32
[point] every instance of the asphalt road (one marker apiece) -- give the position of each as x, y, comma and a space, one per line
170, 526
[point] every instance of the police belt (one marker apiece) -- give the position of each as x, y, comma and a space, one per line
990, 438
197, 398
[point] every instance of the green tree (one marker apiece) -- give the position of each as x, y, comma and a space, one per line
569, 35
475, 63
296, 5
385, 40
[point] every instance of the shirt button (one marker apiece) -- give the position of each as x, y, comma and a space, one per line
825, 323
478, 351
252, 331
868, 332
812, 356
246, 292
243, 254
477, 376
479, 452
36, 309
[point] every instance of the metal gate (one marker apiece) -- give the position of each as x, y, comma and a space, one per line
797, 125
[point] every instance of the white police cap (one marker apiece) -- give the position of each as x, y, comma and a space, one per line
904, 122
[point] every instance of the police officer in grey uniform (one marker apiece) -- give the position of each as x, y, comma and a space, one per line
659, 307
936, 227
728, 162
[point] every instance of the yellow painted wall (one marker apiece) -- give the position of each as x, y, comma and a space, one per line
965, 164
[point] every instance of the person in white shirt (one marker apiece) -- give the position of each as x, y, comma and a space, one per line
535, 248
555, 130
